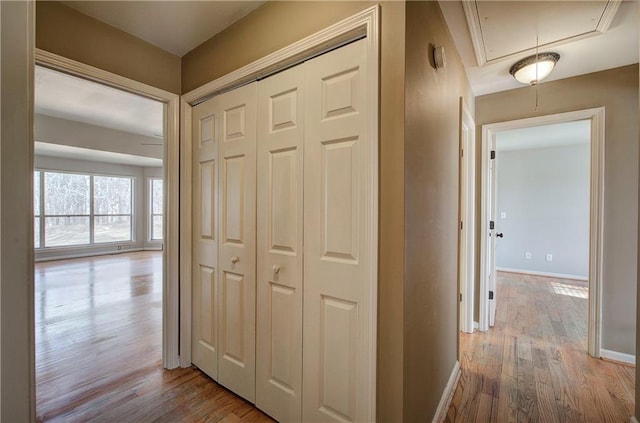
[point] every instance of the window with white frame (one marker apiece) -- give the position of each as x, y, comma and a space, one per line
155, 209
81, 209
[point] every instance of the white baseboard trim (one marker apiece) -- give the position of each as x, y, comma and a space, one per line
634, 420
85, 254
618, 356
537, 273
447, 395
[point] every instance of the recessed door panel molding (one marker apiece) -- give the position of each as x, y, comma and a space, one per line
338, 329
204, 334
339, 93
207, 184
279, 244
340, 213
237, 247
232, 318
283, 110
234, 123
283, 201
282, 329
233, 199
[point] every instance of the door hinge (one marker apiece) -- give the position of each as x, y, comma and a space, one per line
491, 295
492, 224
493, 154
461, 225
461, 297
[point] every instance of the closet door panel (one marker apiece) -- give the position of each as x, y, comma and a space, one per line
205, 241
237, 255
337, 326
280, 231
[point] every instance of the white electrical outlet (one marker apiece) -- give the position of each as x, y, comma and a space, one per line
528, 255
503, 215
548, 257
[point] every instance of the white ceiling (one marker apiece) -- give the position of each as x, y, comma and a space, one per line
507, 32
174, 26
68, 97
545, 136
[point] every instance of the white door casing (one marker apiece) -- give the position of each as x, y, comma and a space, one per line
280, 244
204, 343
596, 211
362, 24
337, 325
237, 246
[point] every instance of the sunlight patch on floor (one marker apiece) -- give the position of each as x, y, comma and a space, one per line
570, 290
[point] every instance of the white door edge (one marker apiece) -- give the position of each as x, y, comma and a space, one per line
467, 217
362, 24
596, 214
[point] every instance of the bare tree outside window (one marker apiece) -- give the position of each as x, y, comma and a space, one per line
81, 209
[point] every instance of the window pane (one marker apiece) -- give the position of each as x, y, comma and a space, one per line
156, 229
36, 232
112, 195
36, 193
59, 231
66, 194
112, 228
156, 196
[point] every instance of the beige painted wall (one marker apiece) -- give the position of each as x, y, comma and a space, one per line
278, 24
431, 209
617, 91
69, 33
17, 381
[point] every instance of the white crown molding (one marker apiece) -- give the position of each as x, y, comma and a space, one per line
608, 14
473, 22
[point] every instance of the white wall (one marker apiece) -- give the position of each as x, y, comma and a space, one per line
545, 195
75, 134
140, 220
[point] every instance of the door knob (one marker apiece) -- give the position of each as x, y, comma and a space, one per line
235, 259
500, 235
276, 269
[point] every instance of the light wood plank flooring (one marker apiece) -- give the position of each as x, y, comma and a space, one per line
98, 348
533, 365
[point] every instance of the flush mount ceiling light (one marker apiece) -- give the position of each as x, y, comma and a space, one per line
534, 69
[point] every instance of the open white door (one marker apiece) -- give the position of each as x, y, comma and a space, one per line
279, 270
467, 218
337, 242
493, 233
204, 335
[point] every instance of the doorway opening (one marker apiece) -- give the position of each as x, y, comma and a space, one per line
100, 232
494, 219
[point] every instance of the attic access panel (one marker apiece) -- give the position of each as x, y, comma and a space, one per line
504, 29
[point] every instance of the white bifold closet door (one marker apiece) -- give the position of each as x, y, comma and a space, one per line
338, 361
282, 310
224, 310
280, 244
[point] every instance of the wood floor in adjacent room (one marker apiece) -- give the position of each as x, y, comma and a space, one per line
98, 348
533, 365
